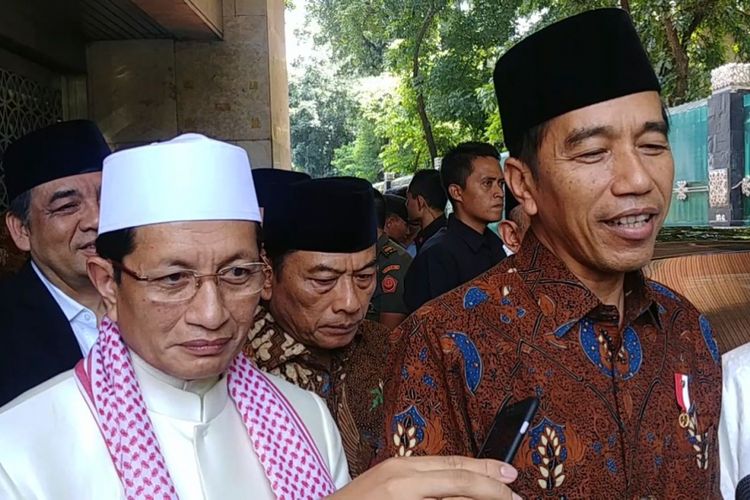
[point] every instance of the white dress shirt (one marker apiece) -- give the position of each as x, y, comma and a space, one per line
82, 319
51, 447
734, 425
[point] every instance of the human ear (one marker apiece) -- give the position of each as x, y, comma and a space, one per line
520, 180
267, 290
510, 235
101, 273
18, 231
455, 192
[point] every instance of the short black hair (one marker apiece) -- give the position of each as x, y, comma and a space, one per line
457, 167
426, 183
379, 207
20, 207
115, 246
527, 148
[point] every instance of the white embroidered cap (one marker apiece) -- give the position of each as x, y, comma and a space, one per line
188, 178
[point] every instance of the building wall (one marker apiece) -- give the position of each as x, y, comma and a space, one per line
233, 90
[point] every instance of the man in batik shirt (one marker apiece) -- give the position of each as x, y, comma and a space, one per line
627, 371
320, 237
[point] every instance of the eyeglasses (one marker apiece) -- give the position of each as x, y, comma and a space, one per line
234, 282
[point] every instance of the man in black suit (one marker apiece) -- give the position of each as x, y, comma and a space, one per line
49, 309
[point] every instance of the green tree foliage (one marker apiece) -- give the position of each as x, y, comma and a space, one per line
323, 118
685, 39
443, 53
361, 158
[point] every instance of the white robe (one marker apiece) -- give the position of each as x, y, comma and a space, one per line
51, 447
734, 426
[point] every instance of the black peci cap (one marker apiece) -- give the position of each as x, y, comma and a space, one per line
60, 150
333, 215
270, 181
582, 60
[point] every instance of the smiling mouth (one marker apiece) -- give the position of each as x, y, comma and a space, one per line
631, 221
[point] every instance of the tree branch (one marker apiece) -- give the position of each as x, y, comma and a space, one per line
701, 11
421, 107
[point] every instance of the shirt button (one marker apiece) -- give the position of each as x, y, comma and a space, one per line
87, 317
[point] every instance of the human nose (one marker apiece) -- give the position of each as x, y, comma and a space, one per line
346, 299
633, 174
207, 308
90, 216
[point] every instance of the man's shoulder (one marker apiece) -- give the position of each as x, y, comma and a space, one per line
373, 329
670, 300
308, 405
14, 286
393, 253
736, 363
470, 295
51, 397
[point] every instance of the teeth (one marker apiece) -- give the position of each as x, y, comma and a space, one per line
632, 220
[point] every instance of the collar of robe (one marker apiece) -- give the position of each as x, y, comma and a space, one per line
110, 386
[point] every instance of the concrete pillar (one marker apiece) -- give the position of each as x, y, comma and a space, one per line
233, 89
726, 143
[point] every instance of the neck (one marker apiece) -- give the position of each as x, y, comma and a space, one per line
82, 291
197, 386
429, 216
476, 224
608, 287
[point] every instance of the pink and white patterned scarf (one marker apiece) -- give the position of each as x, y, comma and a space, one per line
290, 458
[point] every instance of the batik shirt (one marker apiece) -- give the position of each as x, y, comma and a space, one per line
349, 379
609, 423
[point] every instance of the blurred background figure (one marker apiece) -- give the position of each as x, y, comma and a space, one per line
387, 304
465, 248
49, 308
425, 205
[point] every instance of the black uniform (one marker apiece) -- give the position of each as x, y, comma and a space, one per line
453, 256
429, 231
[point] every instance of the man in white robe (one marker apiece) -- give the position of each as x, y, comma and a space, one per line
165, 406
734, 425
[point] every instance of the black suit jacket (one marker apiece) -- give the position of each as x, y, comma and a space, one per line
36, 340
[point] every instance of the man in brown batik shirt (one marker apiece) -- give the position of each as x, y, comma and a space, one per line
627, 371
320, 237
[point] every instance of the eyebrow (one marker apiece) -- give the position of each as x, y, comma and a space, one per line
67, 193
579, 135
324, 268
225, 262
659, 126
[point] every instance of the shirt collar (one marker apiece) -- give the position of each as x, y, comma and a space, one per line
196, 400
430, 229
472, 238
562, 295
70, 307
270, 347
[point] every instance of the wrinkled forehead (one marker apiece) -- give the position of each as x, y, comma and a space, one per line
88, 184
196, 242
342, 262
626, 116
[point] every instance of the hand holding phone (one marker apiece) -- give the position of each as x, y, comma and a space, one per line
508, 430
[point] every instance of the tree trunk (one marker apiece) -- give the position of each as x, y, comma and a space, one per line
625, 5
417, 83
680, 58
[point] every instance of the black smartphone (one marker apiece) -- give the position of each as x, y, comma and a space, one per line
508, 429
